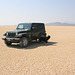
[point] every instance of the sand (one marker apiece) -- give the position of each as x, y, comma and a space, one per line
57, 57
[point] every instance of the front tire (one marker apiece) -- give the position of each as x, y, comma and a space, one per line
23, 42
8, 43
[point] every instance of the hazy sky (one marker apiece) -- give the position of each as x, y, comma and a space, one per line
13, 12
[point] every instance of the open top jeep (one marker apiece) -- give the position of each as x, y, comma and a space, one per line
25, 33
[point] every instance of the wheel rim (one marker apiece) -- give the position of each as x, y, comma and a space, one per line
25, 42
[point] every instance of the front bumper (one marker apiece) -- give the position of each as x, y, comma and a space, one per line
13, 40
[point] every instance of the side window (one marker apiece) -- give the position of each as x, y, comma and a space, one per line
40, 26
35, 26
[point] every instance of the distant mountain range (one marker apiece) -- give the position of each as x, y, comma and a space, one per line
51, 24
8, 25
59, 24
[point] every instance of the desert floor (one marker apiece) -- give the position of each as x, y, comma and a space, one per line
57, 57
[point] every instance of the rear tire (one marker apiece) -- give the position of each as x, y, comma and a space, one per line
23, 42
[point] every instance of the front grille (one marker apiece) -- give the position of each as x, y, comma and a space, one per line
11, 35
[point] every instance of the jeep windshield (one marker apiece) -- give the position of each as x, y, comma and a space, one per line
24, 26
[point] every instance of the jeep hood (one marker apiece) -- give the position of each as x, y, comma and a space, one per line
16, 31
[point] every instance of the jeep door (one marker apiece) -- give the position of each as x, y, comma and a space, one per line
34, 31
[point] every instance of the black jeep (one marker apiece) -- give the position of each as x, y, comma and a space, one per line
25, 33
